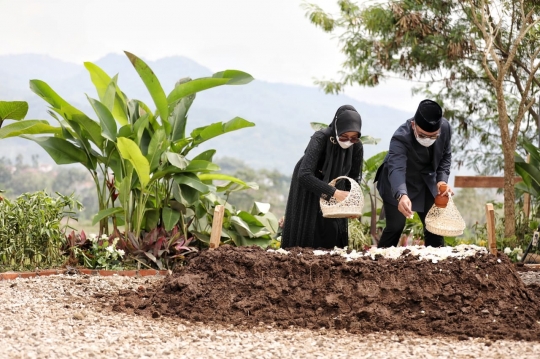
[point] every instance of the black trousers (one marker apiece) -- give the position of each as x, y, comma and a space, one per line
395, 223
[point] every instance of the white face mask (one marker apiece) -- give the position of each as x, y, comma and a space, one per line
426, 142
345, 144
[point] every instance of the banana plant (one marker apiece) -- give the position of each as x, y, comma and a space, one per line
136, 156
529, 171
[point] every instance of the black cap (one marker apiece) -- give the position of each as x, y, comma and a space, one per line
428, 116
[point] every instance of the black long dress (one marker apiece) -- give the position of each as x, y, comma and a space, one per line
304, 224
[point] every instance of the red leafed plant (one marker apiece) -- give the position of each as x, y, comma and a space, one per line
158, 247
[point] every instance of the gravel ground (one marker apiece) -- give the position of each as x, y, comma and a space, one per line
63, 316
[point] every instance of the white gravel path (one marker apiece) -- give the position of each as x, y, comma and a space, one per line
61, 317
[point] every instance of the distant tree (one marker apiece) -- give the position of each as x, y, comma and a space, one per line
478, 58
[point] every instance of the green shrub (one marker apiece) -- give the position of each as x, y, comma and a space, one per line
31, 230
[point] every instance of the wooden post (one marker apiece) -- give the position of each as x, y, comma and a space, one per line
217, 223
490, 221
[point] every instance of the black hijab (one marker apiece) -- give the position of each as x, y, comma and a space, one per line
338, 161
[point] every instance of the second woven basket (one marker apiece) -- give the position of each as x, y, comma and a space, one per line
445, 221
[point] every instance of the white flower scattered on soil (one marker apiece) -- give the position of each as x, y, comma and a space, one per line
428, 253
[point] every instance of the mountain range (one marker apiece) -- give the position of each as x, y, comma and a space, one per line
281, 112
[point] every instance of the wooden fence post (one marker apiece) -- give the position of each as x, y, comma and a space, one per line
490, 221
217, 223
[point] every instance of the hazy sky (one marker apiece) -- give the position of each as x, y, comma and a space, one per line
270, 39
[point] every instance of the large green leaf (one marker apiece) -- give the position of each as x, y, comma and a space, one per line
372, 164
106, 213
157, 145
108, 124
110, 94
152, 218
131, 152
250, 219
13, 110
248, 226
528, 189
61, 151
178, 118
533, 151
92, 128
260, 208
270, 221
44, 91
188, 195
154, 88
102, 82
236, 77
224, 177
532, 171
229, 77
236, 123
205, 133
170, 218
207, 155
29, 127
177, 160
140, 125
99, 78
125, 131
191, 180
201, 166
240, 240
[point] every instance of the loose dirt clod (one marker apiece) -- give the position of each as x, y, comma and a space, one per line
478, 296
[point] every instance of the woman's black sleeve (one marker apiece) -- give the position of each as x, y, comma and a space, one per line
306, 172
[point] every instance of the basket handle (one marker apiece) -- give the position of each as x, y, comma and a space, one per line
333, 182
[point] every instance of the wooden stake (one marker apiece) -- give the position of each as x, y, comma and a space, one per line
490, 220
217, 223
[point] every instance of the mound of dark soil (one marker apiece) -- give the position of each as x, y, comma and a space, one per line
476, 296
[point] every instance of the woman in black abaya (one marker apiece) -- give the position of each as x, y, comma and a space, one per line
332, 152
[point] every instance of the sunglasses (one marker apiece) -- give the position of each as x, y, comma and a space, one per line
352, 139
421, 135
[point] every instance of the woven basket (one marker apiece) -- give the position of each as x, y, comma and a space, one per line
445, 221
350, 207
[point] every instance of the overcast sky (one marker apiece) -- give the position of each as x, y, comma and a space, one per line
270, 39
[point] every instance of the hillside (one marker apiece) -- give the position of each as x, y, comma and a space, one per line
281, 112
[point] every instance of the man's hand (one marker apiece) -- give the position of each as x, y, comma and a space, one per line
448, 191
340, 195
405, 205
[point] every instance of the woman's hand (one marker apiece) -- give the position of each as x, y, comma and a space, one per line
340, 195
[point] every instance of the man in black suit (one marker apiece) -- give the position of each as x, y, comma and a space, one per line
416, 165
